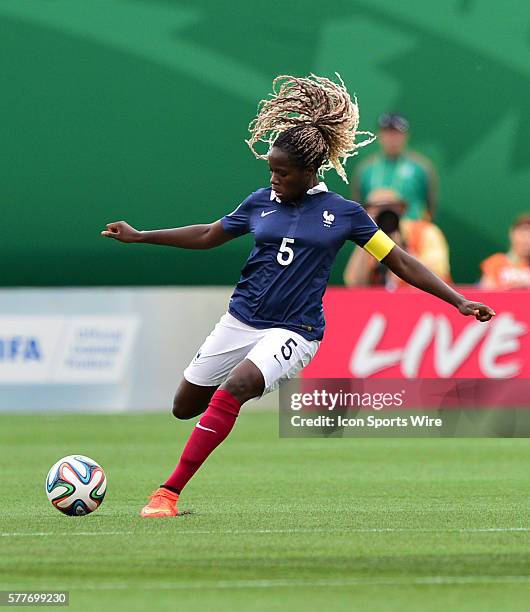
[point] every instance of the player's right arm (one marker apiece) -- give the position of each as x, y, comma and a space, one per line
205, 236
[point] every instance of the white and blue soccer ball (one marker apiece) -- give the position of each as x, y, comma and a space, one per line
76, 485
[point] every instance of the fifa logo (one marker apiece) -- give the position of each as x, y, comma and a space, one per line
20, 348
328, 218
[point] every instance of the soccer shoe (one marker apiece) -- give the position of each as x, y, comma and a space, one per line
162, 502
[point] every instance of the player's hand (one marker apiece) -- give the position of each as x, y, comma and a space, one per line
122, 231
481, 312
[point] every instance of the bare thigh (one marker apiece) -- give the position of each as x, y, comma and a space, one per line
191, 400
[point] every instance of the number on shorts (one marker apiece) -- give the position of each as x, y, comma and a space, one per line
285, 250
287, 349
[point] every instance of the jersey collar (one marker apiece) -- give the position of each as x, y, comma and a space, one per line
316, 189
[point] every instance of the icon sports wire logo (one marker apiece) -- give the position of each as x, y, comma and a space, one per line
411, 408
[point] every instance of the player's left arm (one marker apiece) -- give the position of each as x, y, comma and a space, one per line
365, 233
415, 273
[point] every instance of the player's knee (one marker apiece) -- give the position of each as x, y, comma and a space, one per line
244, 386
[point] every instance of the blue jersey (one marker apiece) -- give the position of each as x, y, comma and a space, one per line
286, 274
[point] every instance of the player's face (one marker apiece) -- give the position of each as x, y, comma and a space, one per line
289, 181
392, 141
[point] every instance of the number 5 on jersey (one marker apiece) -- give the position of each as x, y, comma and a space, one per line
285, 254
287, 350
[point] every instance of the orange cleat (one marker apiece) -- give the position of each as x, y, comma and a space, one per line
162, 502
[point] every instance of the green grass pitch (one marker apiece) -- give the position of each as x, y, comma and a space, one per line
308, 524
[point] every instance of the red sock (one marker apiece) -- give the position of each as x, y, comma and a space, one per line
213, 427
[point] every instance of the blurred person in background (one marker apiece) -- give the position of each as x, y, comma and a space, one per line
398, 168
510, 270
422, 239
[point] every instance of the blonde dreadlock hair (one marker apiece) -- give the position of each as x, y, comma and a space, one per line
313, 119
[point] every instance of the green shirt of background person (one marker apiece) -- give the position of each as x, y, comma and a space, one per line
398, 168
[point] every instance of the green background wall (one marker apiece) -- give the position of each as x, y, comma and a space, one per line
137, 110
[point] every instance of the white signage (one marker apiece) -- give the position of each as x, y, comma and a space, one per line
65, 349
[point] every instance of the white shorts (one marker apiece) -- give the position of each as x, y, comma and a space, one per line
278, 353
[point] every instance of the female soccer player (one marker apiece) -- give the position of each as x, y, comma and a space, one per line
275, 321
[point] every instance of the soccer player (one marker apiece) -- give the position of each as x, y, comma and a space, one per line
275, 320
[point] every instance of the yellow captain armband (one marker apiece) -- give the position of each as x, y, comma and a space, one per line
379, 245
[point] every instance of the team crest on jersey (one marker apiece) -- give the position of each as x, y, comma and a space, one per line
328, 218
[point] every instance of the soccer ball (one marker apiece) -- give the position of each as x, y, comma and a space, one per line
76, 485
